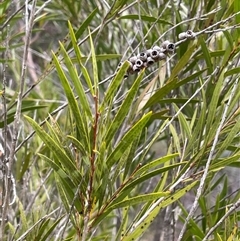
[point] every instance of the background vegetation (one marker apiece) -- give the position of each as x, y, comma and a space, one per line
87, 154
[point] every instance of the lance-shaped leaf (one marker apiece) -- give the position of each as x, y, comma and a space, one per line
115, 8
57, 150
127, 139
140, 199
77, 82
155, 163
84, 26
95, 68
79, 59
73, 104
112, 88
126, 190
141, 226
123, 110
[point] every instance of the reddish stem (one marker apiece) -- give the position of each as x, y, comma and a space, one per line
93, 154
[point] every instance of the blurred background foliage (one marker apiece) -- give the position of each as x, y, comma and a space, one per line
123, 161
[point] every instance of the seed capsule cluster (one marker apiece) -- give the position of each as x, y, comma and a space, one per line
187, 35
153, 55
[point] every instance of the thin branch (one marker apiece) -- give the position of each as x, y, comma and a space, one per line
4, 151
115, 194
231, 210
23, 236
42, 7
186, 172
76, 195
205, 173
92, 170
29, 25
13, 15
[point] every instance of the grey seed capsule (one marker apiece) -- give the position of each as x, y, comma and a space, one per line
136, 68
148, 52
162, 50
162, 56
142, 56
150, 61
182, 36
133, 59
165, 44
170, 47
157, 48
139, 63
154, 54
190, 34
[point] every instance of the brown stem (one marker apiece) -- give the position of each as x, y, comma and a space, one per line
93, 154
92, 169
116, 193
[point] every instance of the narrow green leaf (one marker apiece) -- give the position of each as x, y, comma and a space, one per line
198, 128
177, 101
117, 5
124, 108
54, 134
206, 55
161, 185
181, 63
143, 226
112, 88
127, 139
159, 116
140, 199
126, 190
230, 136
146, 18
221, 163
83, 27
176, 139
56, 149
232, 72
185, 126
78, 145
121, 164
73, 104
23, 217
43, 227
23, 166
50, 230
77, 83
94, 64
79, 58
69, 177
69, 193
50, 143
62, 194
124, 223
237, 10
168, 87
214, 103
130, 166
11, 114
191, 77
155, 163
